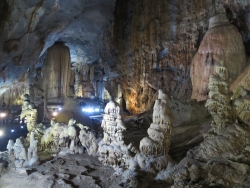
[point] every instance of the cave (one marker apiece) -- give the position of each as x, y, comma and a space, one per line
124, 93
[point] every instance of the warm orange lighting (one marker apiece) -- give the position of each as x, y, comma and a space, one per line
54, 114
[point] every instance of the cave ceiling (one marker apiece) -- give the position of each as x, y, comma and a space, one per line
29, 28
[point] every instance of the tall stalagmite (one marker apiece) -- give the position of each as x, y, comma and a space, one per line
222, 42
57, 73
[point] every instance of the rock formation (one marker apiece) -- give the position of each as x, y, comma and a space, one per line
89, 142
61, 52
30, 113
58, 77
10, 147
218, 102
160, 130
19, 153
153, 156
221, 42
112, 150
32, 158
222, 159
241, 106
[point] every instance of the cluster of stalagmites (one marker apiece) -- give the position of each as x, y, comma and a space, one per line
20, 156
222, 159
74, 138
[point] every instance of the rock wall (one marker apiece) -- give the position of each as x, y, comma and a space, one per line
156, 42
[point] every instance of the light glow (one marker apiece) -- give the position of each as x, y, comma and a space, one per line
60, 109
2, 114
1, 133
12, 130
21, 127
89, 110
54, 113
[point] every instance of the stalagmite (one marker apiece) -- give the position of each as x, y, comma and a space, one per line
154, 149
218, 103
112, 150
160, 130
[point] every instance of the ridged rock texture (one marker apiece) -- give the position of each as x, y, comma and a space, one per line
58, 78
156, 42
222, 42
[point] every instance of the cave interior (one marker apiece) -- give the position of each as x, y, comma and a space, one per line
124, 93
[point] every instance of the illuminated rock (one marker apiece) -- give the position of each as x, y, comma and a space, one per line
221, 42
112, 150
160, 130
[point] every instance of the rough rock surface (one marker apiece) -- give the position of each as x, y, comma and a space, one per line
157, 40
222, 42
149, 46
29, 28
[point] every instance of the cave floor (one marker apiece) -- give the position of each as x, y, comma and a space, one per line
71, 171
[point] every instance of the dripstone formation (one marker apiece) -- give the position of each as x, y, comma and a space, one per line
222, 41
218, 102
62, 61
112, 149
160, 130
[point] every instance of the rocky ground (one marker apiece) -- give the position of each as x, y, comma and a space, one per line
77, 171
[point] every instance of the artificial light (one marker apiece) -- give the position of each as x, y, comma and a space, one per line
2, 114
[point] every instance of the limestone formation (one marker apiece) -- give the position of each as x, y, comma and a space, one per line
32, 158
112, 150
241, 106
32, 150
10, 147
72, 134
60, 138
78, 84
242, 80
19, 153
61, 52
217, 44
29, 111
159, 132
222, 158
58, 77
89, 142
218, 103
